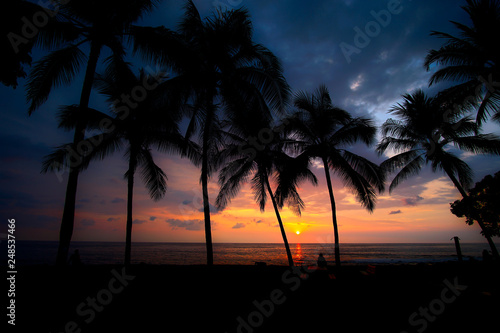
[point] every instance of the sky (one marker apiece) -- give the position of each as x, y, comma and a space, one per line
318, 42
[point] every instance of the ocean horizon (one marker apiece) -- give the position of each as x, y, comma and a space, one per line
182, 253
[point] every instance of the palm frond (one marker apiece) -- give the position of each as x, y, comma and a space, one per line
56, 69
153, 176
412, 162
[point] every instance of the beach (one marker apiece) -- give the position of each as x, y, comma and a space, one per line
439, 297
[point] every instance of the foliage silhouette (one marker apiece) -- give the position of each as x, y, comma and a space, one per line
216, 65
472, 56
423, 135
153, 123
323, 131
245, 155
481, 204
98, 24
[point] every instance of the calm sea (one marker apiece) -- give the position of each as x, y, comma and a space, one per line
38, 252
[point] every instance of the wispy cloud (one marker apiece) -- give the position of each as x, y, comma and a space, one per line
412, 201
395, 212
191, 225
238, 225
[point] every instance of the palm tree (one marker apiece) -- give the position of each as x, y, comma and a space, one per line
244, 157
472, 57
215, 60
152, 123
79, 22
423, 135
325, 132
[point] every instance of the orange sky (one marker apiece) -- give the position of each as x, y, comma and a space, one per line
418, 212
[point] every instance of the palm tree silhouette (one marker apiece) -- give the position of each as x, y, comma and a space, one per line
80, 22
324, 131
215, 61
245, 155
423, 135
472, 56
153, 123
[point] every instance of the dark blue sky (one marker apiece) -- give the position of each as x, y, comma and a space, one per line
307, 37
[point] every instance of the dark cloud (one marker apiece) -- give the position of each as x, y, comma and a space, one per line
393, 212
238, 226
87, 222
113, 219
137, 221
152, 218
412, 201
117, 200
191, 225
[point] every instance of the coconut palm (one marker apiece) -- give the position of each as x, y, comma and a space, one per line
152, 123
215, 60
326, 132
249, 159
424, 133
472, 57
94, 23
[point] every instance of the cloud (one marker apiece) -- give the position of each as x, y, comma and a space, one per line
87, 222
152, 218
191, 225
395, 212
213, 209
412, 201
113, 219
117, 200
238, 226
137, 221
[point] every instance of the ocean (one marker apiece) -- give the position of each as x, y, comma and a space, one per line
97, 253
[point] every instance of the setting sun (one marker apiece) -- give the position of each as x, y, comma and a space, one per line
297, 232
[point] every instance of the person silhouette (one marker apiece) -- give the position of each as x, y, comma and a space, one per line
321, 261
74, 259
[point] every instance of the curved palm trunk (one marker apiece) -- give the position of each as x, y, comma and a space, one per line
282, 228
206, 209
334, 214
130, 195
204, 185
493, 247
68, 218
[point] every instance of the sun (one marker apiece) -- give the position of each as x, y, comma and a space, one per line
297, 232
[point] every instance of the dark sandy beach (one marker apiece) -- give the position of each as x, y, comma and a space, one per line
445, 297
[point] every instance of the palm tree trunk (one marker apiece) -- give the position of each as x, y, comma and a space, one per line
206, 209
204, 185
68, 218
334, 214
282, 228
493, 247
130, 195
